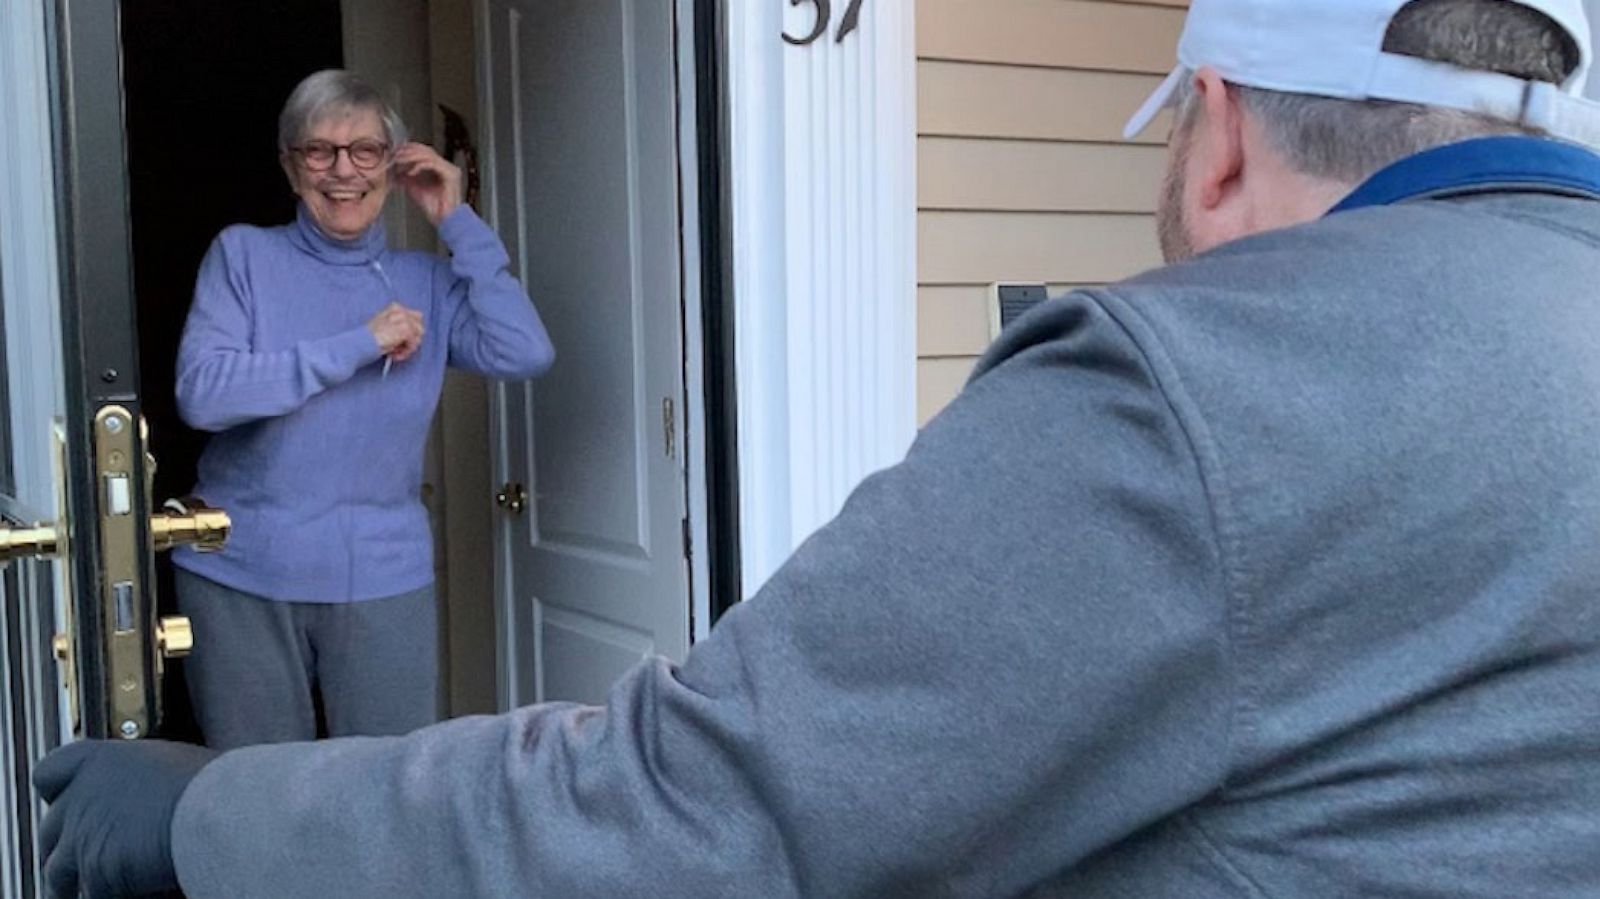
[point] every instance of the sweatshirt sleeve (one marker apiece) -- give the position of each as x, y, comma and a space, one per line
222, 382
494, 328
1007, 653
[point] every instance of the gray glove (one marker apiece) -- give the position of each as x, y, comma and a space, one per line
109, 828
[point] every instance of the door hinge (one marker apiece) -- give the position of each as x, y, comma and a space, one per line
688, 540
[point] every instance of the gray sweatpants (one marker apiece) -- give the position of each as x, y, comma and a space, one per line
257, 662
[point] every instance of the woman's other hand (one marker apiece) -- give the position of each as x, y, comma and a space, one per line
398, 331
430, 180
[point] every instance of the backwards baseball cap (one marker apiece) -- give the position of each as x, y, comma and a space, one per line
1334, 48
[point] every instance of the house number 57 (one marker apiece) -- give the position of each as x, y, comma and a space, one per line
852, 18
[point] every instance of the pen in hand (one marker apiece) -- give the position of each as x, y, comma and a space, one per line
388, 360
398, 332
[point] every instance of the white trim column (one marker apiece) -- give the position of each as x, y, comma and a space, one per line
823, 144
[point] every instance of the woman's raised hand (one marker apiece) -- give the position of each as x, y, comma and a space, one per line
430, 180
398, 331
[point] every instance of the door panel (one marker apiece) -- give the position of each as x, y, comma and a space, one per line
75, 523
100, 374
583, 179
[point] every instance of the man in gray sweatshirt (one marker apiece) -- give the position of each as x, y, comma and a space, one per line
1272, 573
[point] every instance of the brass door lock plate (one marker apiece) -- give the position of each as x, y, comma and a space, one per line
124, 606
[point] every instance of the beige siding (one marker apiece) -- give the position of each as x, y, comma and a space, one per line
985, 101
1022, 171
1055, 33
1036, 176
939, 380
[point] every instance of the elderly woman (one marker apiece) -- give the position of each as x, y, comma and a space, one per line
316, 354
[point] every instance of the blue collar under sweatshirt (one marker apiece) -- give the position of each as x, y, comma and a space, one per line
1482, 165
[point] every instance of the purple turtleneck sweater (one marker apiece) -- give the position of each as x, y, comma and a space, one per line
318, 455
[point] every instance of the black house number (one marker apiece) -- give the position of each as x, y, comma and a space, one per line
852, 19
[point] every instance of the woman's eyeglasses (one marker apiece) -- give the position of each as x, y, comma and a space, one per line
320, 155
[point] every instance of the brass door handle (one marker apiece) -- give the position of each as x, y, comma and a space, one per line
190, 522
41, 541
512, 497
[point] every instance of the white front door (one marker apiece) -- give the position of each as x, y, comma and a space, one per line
579, 99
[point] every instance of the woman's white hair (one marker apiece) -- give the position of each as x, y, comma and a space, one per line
334, 92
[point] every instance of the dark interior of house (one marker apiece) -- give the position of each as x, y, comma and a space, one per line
204, 84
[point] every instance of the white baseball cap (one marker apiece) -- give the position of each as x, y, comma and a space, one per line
1334, 48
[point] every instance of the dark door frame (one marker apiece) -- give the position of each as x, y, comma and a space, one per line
99, 328
717, 312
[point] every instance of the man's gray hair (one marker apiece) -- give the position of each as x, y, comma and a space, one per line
334, 92
1348, 140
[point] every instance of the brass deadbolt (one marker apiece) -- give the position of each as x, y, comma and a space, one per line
175, 636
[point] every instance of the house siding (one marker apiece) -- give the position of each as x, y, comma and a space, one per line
1023, 174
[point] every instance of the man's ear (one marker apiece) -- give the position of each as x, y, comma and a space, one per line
1218, 143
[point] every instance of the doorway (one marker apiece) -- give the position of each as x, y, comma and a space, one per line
204, 83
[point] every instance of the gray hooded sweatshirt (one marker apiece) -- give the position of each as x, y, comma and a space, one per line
1271, 574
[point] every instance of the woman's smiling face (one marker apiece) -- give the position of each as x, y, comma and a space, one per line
345, 198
